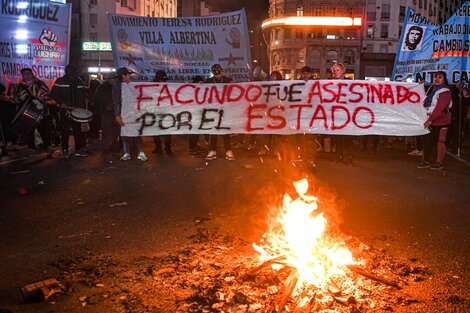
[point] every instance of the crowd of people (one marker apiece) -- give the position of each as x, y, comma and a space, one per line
29, 105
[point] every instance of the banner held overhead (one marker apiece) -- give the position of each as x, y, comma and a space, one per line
183, 47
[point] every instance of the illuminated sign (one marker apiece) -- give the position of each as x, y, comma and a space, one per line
101, 69
313, 21
96, 46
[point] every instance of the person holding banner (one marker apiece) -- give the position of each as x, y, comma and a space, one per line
124, 77
69, 91
343, 143
160, 76
437, 103
30, 88
219, 78
109, 126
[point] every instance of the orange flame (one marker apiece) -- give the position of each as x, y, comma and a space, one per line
298, 234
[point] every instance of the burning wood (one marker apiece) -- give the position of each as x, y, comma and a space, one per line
366, 274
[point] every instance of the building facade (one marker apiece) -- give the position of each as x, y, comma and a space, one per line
194, 8
314, 33
296, 37
90, 24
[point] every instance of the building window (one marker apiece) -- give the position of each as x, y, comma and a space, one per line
384, 31
350, 34
349, 57
132, 5
317, 11
124, 3
383, 48
371, 12
93, 36
300, 57
299, 34
401, 17
93, 19
300, 11
370, 31
370, 47
332, 57
385, 14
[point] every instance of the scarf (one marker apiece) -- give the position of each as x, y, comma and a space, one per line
430, 95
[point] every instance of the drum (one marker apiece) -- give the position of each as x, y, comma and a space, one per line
28, 117
81, 115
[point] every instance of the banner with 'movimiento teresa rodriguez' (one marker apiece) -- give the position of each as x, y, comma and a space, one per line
426, 48
183, 47
35, 34
278, 107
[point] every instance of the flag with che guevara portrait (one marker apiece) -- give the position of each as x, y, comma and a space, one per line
426, 48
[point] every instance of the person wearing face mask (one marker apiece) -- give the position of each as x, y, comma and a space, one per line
437, 103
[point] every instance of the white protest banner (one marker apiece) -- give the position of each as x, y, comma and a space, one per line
277, 107
425, 48
34, 34
183, 47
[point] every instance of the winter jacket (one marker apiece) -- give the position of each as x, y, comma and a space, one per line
438, 112
70, 91
104, 98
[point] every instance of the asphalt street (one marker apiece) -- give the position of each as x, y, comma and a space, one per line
51, 209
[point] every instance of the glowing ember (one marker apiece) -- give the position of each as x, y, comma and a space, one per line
298, 235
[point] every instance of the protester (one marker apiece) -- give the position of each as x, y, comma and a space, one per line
31, 88
219, 78
3, 138
69, 91
160, 76
306, 73
109, 126
459, 115
194, 148
269, 140
95, 123
124, 77
437, 103
343, 143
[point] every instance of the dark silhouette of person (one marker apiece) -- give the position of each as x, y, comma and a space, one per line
413, 38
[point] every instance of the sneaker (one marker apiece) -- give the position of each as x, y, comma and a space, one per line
212, 155
415, 152
126, 157
229, 155
65, 154
436, 166
424, 165
79, 153
141, 156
